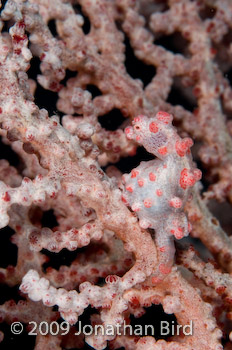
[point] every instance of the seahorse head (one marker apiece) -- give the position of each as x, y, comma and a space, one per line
155, 134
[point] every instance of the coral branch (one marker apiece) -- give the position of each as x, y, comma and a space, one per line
107, 110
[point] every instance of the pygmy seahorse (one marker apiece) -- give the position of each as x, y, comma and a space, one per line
157, 190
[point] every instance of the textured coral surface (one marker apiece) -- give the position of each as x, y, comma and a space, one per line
116, 174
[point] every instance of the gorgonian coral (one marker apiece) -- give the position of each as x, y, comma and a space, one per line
119, 212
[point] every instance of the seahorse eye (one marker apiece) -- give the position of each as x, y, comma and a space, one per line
137, 127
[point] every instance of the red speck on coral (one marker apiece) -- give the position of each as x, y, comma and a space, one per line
127, 262
18, 38
221, 289
6, 197
135, 301
17, 51
111, 279
21, 24
55, 86
42, 56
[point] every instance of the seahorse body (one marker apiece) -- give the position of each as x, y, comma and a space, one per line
157, 190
